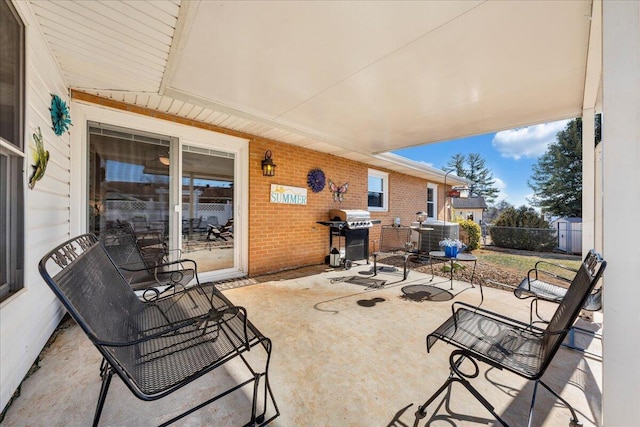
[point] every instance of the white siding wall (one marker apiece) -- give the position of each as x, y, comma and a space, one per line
28, 318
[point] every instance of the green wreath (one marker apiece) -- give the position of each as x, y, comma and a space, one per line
60, 118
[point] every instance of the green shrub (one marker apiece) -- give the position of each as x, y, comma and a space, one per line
469, 233
523, 228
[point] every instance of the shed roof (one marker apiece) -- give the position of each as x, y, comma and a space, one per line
468, 203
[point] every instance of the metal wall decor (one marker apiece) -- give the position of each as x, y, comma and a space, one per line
338, 192
60, 118
40, 158
316, 180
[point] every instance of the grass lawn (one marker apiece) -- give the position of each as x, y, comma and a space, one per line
510, 266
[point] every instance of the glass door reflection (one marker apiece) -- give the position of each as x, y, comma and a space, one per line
207, 207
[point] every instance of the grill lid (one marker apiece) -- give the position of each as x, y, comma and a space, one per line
354, 218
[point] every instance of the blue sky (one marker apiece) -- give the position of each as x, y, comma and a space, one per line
509, 155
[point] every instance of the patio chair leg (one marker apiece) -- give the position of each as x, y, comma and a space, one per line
106, 375
457, 376
406, 273
375, 265
571, 344
256, 385
574, 417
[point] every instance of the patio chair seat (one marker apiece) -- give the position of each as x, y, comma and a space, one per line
516, 347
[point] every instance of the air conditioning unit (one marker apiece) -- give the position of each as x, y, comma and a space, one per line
429, 240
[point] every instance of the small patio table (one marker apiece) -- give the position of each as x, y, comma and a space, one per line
440, 255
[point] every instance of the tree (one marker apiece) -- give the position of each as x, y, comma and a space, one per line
557, 177
494, 211
473, 167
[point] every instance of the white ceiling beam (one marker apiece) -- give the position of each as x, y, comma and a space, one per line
186, 16
593, 77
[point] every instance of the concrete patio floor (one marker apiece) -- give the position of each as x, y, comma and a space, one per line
343, 355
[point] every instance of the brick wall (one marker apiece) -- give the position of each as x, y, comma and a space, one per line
283, 236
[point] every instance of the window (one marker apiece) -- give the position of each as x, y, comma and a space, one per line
378, 190
11, 150
432, 200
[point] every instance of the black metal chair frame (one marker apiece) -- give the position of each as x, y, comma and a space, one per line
533, 286
154, 279
394, 239
152, 242
505, 343
156, 347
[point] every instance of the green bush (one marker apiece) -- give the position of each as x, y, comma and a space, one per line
523, 228
469, 233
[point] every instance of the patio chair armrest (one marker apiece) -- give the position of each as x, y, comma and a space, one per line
176, 262
544, 267
177, 250
494, 315
512, 287
554, 264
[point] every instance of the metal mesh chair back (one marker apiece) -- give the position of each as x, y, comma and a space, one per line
394, 238
121, 245
574, 300
97, 298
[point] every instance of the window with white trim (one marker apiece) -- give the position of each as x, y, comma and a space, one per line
11, 150
432, 201
378, 190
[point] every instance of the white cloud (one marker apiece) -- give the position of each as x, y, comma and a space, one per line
426, 163
502, 189
531, 141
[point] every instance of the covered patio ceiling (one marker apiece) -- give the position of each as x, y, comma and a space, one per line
353, 79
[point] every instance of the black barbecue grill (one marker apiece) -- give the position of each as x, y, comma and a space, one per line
349, 228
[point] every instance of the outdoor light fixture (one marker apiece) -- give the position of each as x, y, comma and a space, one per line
268, 167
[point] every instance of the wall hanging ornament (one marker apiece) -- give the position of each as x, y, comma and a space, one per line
41, 158
316, 180
338, 192
60, 117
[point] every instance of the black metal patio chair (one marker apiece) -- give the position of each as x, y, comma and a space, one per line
394, 239
505, 343
155, 278
158, 347
548, 281
151, 242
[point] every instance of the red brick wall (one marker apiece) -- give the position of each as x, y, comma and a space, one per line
283, 236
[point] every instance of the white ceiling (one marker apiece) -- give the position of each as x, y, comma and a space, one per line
348, 78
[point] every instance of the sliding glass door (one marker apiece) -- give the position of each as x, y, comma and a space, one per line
130, 185
128, 180
207, 207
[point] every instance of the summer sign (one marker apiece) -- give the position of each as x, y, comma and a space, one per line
288, 195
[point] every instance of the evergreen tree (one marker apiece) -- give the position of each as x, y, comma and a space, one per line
473, 167
557, 177
494, 211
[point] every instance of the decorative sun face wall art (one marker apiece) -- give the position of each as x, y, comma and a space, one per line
60, 118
